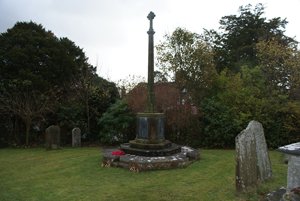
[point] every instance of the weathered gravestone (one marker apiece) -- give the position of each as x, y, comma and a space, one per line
252, 159
76, 137
53, 137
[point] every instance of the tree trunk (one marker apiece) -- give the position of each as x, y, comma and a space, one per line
88, 115
27, 124
16, 130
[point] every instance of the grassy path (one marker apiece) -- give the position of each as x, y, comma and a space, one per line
75, 174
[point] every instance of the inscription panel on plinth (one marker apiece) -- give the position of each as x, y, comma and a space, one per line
150, 127
142, 131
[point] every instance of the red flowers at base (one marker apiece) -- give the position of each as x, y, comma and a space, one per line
118, 153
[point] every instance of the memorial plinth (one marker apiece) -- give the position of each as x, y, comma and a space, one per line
150, 128
150, 150
150, 137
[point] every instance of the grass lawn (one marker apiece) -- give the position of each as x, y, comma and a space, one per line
75, 174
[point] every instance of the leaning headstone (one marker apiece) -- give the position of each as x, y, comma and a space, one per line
293, 178
53, 137
252, 160
246, 170
76, 137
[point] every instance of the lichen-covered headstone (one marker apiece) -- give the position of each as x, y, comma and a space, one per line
246, 170
263, 159
76, 137
53, 137
252, 159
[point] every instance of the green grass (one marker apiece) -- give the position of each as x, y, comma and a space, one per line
75, 174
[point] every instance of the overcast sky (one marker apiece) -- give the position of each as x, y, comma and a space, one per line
113, 33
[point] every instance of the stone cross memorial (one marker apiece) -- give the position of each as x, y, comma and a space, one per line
150, 124
150, 150
53, 137
151, 32
252, 160
76, 137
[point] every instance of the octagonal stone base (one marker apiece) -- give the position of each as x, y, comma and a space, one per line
150, 151
137, 163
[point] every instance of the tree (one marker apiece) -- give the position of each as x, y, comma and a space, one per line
102, 95
235, 44
36, 63
188, 60
281, 69
27, 105
160, 77
84, 86
238, 99
127, 84
88, 99
30, 53
280, 65
257, 77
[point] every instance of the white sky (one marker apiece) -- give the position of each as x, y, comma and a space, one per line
113, 33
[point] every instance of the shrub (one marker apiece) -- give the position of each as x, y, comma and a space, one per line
115, 124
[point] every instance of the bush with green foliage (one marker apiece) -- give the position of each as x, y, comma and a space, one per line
115, 124
240, 98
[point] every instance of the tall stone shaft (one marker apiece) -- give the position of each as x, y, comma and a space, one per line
151, 98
